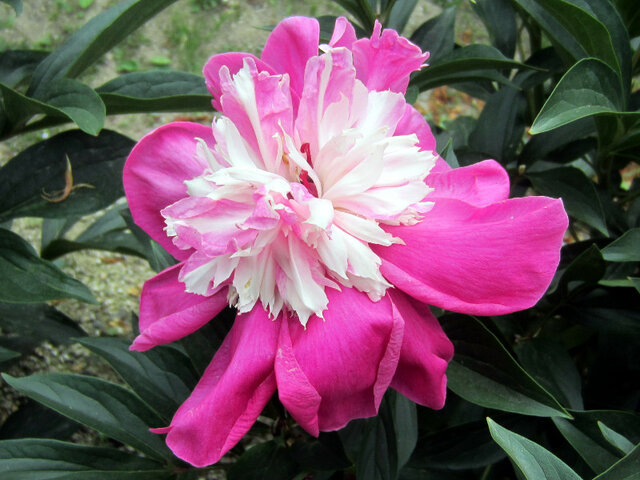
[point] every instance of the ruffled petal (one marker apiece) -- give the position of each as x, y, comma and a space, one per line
413, 122
342, 366
155, 173
485, 261
343, 34
385, 61
426, 352
294, 41
259, 106
168, 313
480, 184
231, 393
234, 62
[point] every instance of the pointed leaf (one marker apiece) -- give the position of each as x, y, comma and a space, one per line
533, 461
39, 321
16, 65
162, 377
465, 60
499, 18
614, 438
484, 372
96, 163
94, 39
159, 259
597, 457
65, 98
625, 248
586, 28
577, 191
624, 469
436, 35
155, 91
26, 278
553, 368
6, 354
400, 14
106, 407
33, 420
36, 459
589, 88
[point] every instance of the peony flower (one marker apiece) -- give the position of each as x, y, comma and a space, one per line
317, 207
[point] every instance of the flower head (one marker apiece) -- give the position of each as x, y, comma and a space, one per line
317, 206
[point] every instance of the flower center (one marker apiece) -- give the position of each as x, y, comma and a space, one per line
279, 223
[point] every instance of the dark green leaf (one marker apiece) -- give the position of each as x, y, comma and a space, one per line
400, 14
159, 259
586, 29
36, 459
567, 46
578, 193
26, 278
15, 4
361, 10
265, 460
553, 368
162, 377
625, 248
500, 19
597, 457
464, 63
322, 454
94, 39
541, 146
614, 438
607, 311
6, 354
405, 423
53, 229
533, 461
589, 88
39, 321
499, 129
376, 445
630, 14
155, 92
624, 469
109, 232
64, 97
16, 65
33, 420
42, 168
106, 407
588, 267
436, 36
461, 447
484, 372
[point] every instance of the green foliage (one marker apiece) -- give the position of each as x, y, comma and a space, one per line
560, 379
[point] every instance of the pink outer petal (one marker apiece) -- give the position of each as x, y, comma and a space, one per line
168, 313
294, 41
155, 172
385, 61
234, 389
480, 184
426, 352
413, 122
338, 369
233, 61
343, 34
485, 261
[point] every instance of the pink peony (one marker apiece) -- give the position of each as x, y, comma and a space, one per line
317, 206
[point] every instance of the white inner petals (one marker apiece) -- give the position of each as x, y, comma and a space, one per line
281, 231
